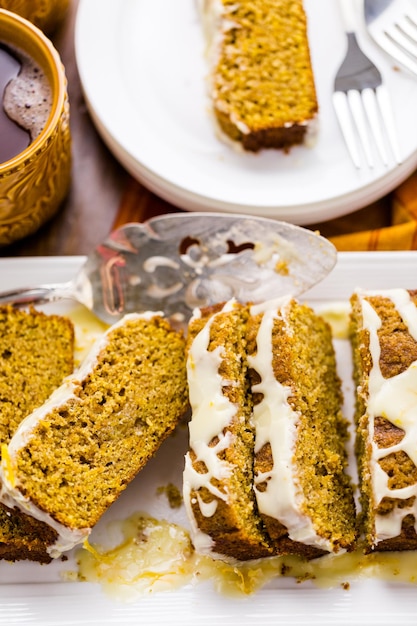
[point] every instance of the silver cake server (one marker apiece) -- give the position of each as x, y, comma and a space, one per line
179, 261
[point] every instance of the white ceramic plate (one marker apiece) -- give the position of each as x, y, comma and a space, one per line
35, 594
143, 71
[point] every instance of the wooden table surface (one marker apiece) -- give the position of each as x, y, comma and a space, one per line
95, 202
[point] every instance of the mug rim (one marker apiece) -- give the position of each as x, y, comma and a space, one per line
57, 70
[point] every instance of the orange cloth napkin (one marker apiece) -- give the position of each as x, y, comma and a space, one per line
395, 218
388, 224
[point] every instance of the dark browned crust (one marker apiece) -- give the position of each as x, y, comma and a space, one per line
279, 138
386, 434
229, 535
285, 546
23, 537
406, 540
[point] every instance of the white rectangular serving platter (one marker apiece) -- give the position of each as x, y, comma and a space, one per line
37, 594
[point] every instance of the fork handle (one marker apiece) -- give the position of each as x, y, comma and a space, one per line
349, 14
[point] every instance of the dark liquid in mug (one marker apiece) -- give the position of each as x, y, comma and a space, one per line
26, 96
13, 138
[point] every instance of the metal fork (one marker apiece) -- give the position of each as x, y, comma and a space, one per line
393, 25
361, 102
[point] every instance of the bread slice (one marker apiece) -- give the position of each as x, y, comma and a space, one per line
266, 470
304, 493
71, 458
218, 473
261, 80
383, 332
36, 354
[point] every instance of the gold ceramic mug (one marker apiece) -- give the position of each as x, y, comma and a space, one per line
46, 14
34, 183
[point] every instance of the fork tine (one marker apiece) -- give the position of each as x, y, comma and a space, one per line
374, 115
343, 114
358, 113
388, 119
411, 17
362, 104
399, 39
391, 47
408, 24
404, 34
355, 110
351, 116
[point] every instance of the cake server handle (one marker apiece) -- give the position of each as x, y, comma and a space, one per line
41, 294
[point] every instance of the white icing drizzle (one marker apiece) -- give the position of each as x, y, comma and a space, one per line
396, 400
275, 423
215, 20
212, 412
11, 495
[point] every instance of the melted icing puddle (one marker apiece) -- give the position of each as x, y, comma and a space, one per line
156, 555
